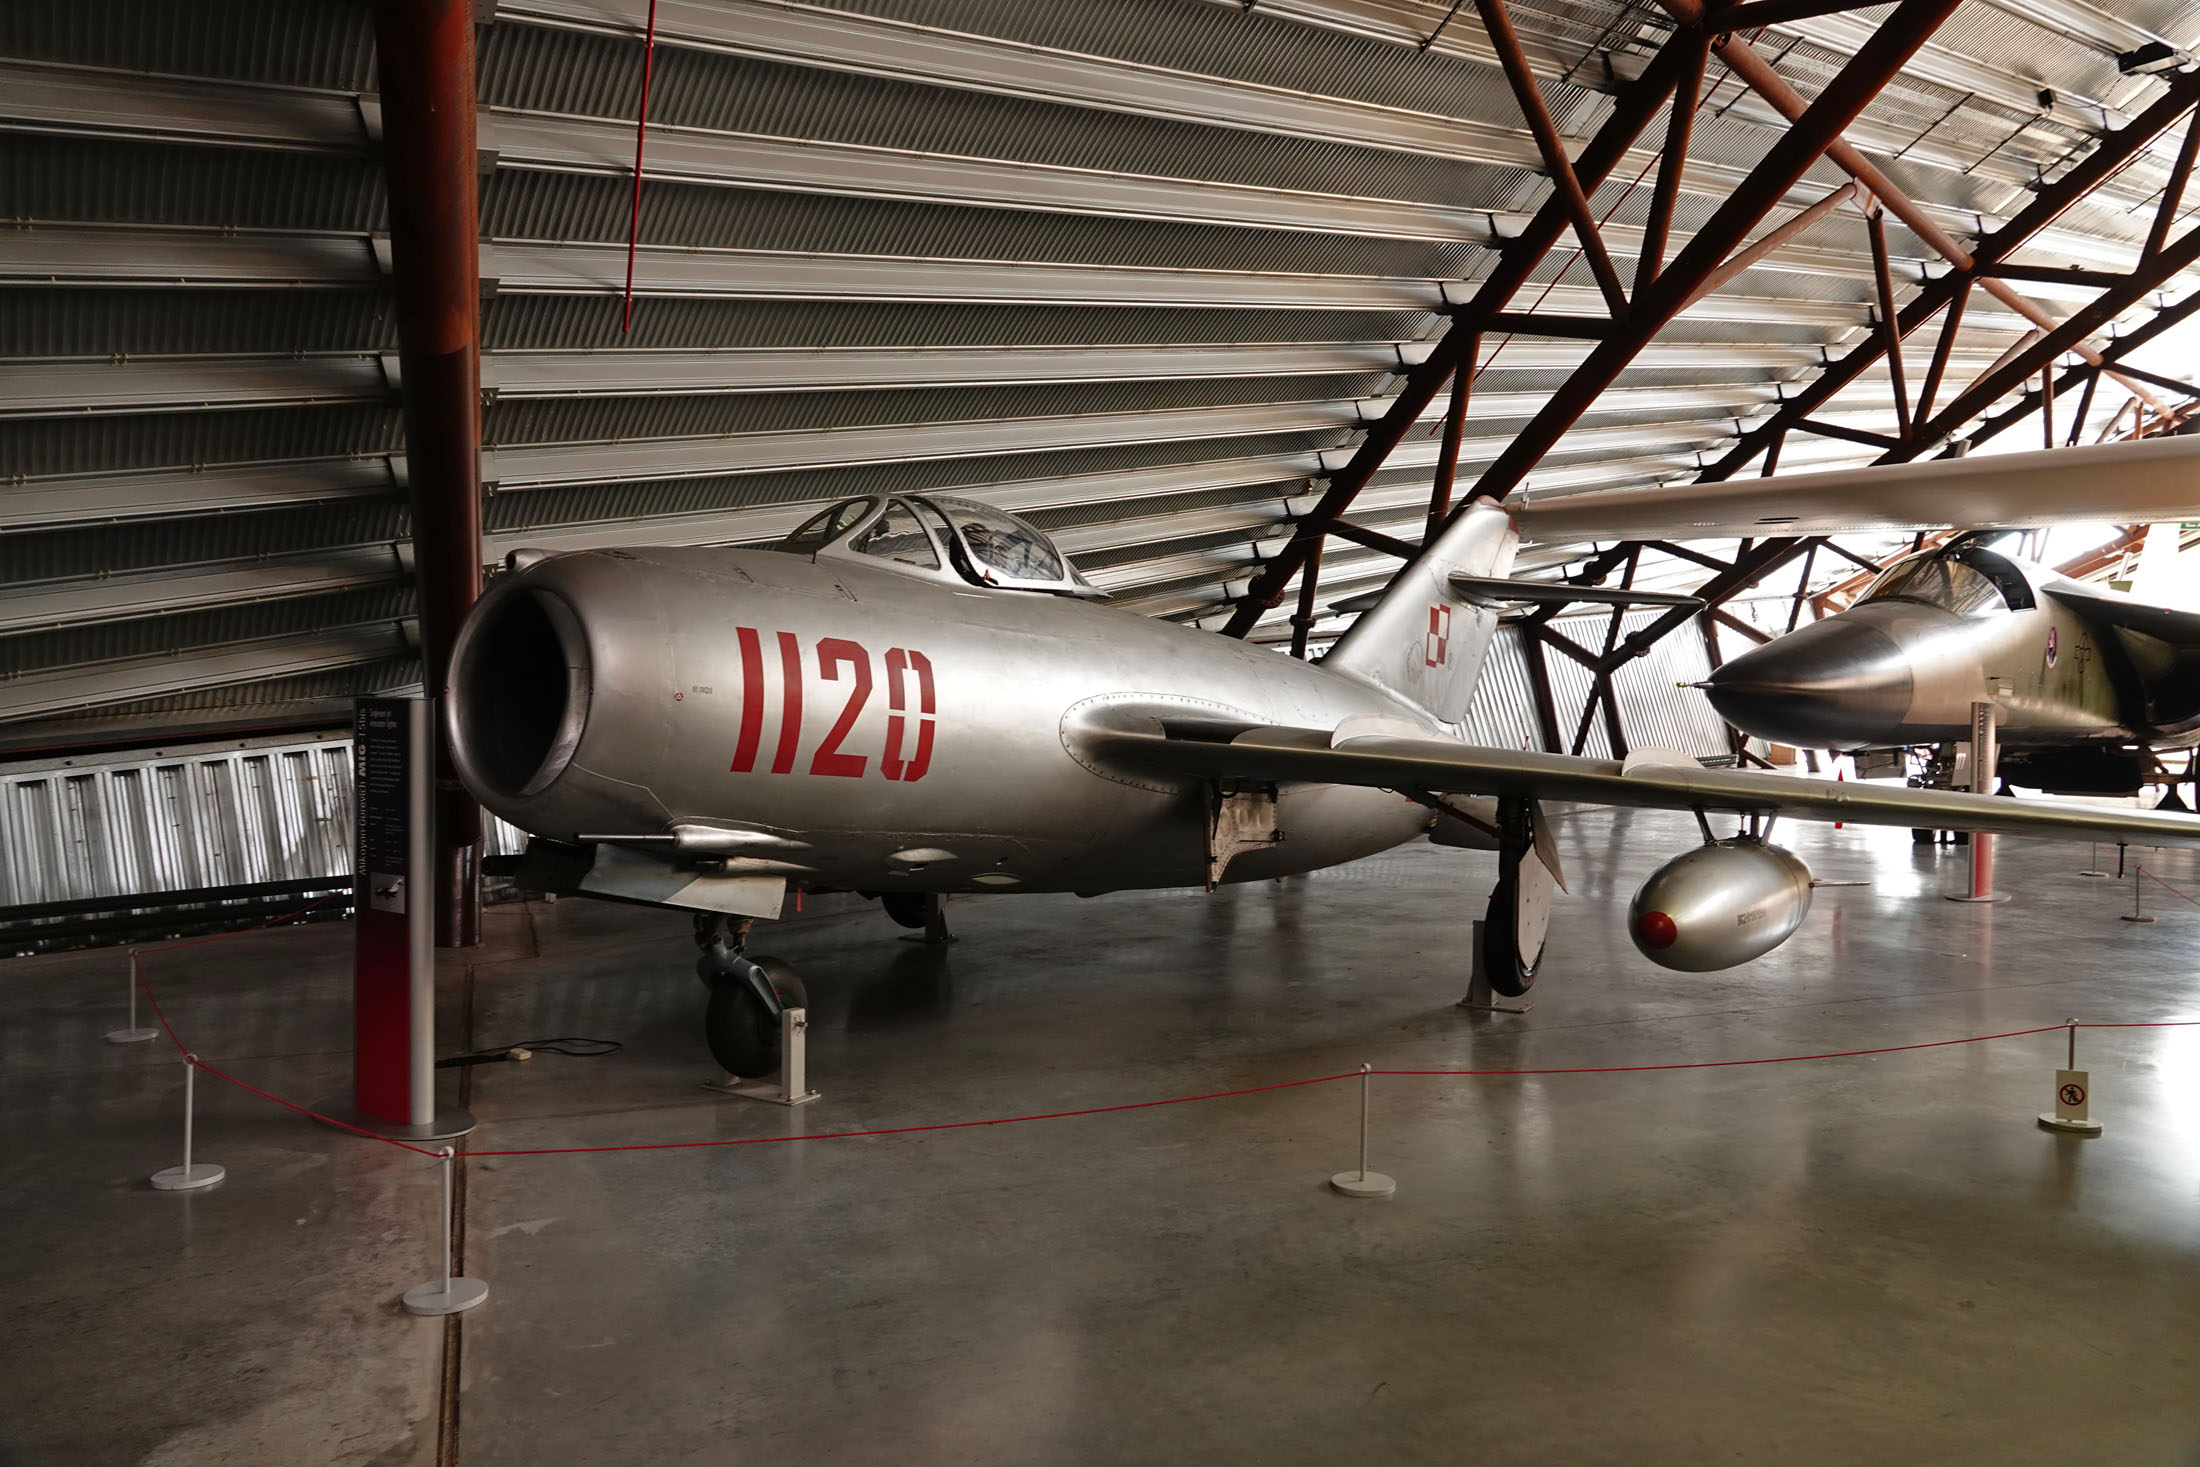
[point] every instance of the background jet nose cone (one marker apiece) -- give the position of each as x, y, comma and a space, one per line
1833, 684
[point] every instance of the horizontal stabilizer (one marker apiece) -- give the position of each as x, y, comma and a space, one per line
1497, 591
1488, 589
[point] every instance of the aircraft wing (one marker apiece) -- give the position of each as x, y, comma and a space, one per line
1659, 782
2143, 482
2105, 609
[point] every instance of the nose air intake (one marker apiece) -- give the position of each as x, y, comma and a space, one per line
519, 687
1831, 685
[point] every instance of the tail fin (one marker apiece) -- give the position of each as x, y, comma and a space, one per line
2158, 577
1423, 639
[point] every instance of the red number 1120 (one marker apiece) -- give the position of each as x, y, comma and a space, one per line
838, 661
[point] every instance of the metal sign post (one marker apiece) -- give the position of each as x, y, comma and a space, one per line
393, 919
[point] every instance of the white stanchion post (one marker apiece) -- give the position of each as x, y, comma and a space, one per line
447, 1295
189, 1176
793, 1085
2138, 879
2073, 1095
133, 1034
1363, 1183
2093, 862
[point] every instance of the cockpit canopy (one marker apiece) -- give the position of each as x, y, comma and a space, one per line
1968, 579
953, 540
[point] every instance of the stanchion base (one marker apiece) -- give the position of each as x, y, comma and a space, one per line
2093, 873
769, 1091
448, 1122
131, 1036
1495, 1008
1993, 899
433, 1298
2127, 917
1363, 1184
187, 1178
2052, 1122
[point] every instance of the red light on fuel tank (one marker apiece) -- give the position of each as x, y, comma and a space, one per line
1655, 929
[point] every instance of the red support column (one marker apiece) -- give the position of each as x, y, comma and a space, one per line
425, 54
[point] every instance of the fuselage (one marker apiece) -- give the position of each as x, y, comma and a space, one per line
1903, 669
877, 731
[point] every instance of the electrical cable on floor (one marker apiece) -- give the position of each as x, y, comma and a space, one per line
572, 1045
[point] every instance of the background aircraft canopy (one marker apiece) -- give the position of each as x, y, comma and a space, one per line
1968, 580
955, 540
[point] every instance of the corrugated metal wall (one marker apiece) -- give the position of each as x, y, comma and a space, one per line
186, 819
1655, 711
279, 809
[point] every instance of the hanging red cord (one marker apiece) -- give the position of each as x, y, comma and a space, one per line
641, 130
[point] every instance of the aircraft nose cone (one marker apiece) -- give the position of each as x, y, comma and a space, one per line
1831, 685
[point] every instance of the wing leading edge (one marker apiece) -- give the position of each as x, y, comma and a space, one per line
1442, 766
2152, 480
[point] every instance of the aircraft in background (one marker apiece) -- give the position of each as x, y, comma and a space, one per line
2090, 682
917, 695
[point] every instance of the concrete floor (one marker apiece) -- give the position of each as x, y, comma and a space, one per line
1849, 1261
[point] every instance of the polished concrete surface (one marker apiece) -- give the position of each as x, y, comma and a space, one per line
1860, 1260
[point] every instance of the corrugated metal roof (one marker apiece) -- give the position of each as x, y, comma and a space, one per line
1178, 115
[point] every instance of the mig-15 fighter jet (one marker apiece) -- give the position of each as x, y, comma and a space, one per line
914, 694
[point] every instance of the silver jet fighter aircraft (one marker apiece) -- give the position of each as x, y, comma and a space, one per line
919, 695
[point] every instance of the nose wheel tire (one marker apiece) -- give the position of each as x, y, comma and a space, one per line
741, 1029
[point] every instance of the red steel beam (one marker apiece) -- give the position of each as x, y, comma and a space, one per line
1767, 83
1875, 63
2173, 192
2162, 322
2152, 273
1680, 122
1447, 450
425, 57
1890, 320
2115, 152
1506, 41
1632, 109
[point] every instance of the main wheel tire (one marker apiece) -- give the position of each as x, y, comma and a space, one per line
1923, 837
743, 1034
1501, 963
907, 908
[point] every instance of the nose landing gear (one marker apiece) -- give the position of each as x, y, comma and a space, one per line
747, 995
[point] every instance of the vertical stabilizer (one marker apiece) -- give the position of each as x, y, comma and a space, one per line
1422, 639
2162, 576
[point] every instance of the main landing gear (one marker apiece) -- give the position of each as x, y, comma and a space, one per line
747, 996
1520, 908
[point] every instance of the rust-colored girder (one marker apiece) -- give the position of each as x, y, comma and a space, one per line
1632, 110
2150, 275
1875, 63
1565, 186
2115, 152
425, 57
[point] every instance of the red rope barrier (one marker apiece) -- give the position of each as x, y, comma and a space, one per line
2158, 881
1052, 1115
1095, 1110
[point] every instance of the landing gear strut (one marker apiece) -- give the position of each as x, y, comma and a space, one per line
1520, 907
746, 997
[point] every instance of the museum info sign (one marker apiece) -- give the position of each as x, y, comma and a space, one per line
393, 973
